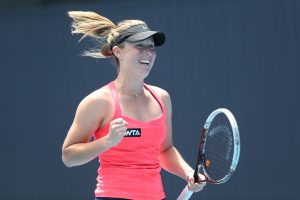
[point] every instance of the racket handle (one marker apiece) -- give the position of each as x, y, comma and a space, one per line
185, 194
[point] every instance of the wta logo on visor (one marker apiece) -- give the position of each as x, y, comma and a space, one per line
133, 132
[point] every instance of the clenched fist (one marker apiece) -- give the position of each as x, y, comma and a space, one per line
117, 131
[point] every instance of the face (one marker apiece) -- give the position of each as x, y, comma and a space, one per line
137, 58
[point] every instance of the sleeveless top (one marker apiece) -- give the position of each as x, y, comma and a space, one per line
131, 169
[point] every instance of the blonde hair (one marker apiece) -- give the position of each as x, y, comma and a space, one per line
93, 25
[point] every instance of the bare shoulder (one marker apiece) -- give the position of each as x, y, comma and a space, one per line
95, 107
100, 98
163, 94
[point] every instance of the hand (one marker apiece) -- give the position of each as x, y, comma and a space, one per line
195, 187
117, 131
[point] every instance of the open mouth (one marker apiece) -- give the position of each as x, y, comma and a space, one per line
144, 62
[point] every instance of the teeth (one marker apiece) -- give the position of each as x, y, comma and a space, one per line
145, 61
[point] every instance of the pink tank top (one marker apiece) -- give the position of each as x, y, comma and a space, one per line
131, 169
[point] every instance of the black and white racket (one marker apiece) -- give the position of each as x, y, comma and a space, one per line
219, 150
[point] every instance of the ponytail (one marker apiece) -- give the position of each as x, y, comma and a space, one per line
90, 24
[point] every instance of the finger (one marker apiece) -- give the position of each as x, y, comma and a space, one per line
121, 130
197, 187
200, 186
190, 181
116, 121
114, 127
125, 122
202, 178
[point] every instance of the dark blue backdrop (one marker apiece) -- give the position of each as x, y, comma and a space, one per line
243, 55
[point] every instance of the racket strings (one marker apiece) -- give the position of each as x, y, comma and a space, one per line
218, 149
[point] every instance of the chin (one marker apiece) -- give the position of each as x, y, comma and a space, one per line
146, 70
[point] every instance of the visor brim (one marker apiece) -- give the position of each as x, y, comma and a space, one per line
159, 38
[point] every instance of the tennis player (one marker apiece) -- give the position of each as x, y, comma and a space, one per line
129, 120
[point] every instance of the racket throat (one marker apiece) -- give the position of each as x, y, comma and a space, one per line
196, 173
200, 163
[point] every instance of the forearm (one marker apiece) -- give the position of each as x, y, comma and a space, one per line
172, 161
81, 153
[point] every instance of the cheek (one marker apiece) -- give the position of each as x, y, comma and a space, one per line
154, 56
133, 55
154, 53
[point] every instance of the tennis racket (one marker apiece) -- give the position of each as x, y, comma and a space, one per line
219, 150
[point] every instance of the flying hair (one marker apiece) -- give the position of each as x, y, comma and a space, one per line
91, 24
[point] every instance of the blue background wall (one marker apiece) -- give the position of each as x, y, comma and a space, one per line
239, 54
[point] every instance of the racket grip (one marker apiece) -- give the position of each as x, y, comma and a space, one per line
185, 194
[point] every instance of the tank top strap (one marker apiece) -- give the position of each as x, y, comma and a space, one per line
115, 96
156, 97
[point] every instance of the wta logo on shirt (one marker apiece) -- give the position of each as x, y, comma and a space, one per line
133, 132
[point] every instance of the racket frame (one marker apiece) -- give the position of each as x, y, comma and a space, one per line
201, 161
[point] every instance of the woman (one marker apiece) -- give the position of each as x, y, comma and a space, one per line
129, 120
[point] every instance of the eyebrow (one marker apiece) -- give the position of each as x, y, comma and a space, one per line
143, 43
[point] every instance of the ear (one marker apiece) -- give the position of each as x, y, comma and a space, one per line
117, 52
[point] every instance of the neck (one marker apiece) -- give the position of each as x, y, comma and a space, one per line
129, 87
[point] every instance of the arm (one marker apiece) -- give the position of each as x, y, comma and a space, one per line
91, 113
170, 158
